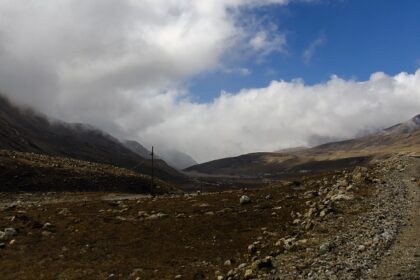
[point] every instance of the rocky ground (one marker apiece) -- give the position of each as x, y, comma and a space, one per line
402, 261
340, 225
40, 173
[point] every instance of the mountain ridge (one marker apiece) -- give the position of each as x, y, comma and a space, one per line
404, 136
25, 130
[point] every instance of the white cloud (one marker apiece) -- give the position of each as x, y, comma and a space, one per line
242, 71
81, 53
266, 44
309, 52
121, 65
287, 114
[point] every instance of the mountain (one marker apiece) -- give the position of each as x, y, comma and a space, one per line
403, 137
137, 148
177, 159
174, 158
27, 131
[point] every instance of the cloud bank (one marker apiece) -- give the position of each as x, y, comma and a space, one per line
287, 114
123, 65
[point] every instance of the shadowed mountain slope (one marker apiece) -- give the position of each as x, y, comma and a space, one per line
27, 131
35, 172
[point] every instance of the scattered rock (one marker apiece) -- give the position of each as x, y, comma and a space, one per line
142, 214
361, 248
252, 249
248, 274
9, 232
262, 264
48, 226
339, 197
156, 216
324, 248
244, 200
242, 266
64, 212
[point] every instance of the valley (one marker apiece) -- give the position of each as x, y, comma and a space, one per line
81, 204
338, 225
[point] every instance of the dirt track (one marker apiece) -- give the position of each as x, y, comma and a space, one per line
403, 259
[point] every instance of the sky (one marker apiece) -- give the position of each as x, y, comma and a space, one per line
215, 78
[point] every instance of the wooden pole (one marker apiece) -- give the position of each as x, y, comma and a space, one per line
153, 175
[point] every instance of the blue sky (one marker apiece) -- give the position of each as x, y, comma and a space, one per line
351, 39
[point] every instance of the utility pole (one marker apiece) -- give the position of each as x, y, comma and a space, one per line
153, 175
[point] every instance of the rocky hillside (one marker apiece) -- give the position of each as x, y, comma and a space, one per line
401, 137
404, 137
27, 131
272, 165
34, 172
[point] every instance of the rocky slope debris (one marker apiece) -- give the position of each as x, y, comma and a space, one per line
330, 242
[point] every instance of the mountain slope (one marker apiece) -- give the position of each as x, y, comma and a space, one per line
401, 137
137, 148
176, 159
35, 172
27, 131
